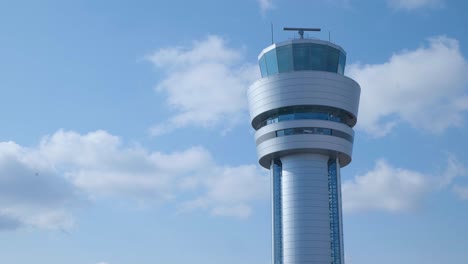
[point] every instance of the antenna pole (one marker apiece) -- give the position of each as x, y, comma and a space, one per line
271, 32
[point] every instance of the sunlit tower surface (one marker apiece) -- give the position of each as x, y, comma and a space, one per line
303, 110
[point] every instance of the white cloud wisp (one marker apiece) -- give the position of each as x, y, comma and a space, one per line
205, 84
461, 192
425, 88
265, 5
414, 4
229, 192
391, 189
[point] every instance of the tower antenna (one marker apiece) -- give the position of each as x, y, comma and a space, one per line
301, 30
271, 32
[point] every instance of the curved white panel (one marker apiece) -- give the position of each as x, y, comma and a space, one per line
303, 88
304, 143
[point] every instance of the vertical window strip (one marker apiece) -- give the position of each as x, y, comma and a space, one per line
277, 219
334, 212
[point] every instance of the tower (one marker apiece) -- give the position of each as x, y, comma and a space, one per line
303, 110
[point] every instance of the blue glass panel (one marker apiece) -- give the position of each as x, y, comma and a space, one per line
318, 58
285, 58
332, 59
272, 121
301, 55
289, 131
286, 117
301, 116
306, 130
334, 118
277, 225
335, 233
263, 67
271, 62
342, 63
305, 112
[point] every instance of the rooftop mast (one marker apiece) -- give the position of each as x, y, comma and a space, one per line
301, 30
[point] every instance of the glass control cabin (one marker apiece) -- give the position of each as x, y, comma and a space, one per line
302, 55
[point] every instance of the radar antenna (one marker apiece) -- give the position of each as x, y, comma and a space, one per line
301, 30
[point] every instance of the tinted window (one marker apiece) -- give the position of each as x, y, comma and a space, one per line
318, 57
285, 58
342, 63
271, 62
263, 68
332, 59
301, 55
305, 130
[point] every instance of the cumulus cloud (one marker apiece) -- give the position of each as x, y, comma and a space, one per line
107, 168
41, 186
392, 189
425, 88
229, 191
100, 164
205, 84
32, 194
414, 4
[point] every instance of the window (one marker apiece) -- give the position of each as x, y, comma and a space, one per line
306, 130
285, 58
332, 60
263, 67
333, 198
302, 57
276, 169
271, 62
341, 63
318, 57
306, 112
286, 117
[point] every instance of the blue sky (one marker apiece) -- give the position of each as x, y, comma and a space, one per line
126, 139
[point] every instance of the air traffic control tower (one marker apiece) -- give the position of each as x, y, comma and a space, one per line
303, 110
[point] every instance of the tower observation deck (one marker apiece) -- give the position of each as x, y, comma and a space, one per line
303, 110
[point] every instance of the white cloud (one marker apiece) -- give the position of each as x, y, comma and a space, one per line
454, 169
425, 88
32, 194
461, 191
41, 186
265, 5
205, 84
414, 4
106, 168
229, 191
392, 189
384, 188
99, 163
